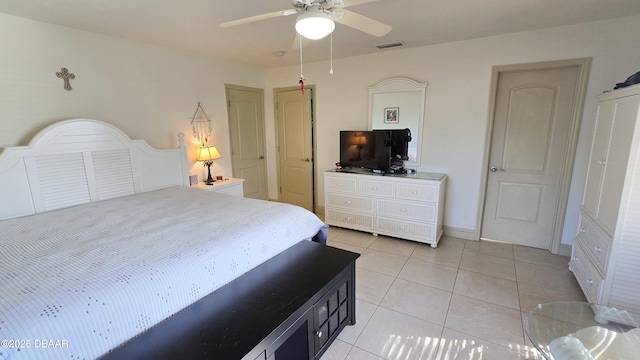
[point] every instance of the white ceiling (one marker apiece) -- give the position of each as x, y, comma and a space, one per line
193, 24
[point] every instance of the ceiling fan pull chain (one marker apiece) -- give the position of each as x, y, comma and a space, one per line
331, 54
301, 77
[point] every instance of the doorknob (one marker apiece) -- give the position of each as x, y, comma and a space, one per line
261, 157
307, 160
494, 169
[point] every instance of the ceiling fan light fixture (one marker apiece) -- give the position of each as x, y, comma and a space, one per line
315, 25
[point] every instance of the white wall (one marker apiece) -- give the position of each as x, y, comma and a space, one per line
457, 105
148, 91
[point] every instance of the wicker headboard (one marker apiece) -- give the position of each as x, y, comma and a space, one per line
81, 160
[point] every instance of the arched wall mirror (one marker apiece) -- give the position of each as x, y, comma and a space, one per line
398, 103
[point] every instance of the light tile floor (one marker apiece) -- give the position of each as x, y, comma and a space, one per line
462, 300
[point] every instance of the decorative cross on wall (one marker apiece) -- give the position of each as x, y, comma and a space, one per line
66, 75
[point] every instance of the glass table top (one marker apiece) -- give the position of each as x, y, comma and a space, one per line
576, 330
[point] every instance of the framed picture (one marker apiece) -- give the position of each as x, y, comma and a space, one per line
391, 115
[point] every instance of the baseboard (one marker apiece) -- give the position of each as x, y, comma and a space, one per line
565, 250
460, 233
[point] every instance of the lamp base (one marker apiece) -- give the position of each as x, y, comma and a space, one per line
209, 180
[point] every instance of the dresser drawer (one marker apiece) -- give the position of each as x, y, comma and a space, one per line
341, 184
425, 232
376, 188
407, 210
349, 219
417, 192
235, 190
595, 241
349, 202
586, 274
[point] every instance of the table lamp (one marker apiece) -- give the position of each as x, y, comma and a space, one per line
359, 140
207, 154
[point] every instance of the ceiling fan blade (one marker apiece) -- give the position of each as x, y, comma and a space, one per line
348, 3
296, 41
340, 4
363, 23
249, 19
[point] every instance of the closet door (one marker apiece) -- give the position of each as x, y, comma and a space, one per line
615, 166
597, 160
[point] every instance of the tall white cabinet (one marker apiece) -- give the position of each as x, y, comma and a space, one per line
408, 207
606, 250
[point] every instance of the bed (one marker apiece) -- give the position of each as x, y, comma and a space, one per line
101, 239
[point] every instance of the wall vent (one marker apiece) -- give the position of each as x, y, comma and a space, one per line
390, 45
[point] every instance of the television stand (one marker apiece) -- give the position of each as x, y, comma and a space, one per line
406, 206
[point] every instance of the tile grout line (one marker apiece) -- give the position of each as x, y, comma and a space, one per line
515, 270
408, 257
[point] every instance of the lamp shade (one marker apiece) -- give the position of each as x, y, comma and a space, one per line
315, 25
207, 153
359, 140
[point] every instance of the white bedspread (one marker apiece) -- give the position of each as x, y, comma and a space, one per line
77, 282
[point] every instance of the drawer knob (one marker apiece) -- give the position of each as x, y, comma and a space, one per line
402, 228
339, 184
348, 218
403, 210
375, 188
348, 202
597, 249
602, 162
575, 258
415, 192
590, 282
582, 231
319, 334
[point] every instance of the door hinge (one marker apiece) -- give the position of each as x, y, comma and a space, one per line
280, 188
229, 103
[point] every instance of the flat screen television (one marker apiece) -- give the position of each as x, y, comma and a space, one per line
364, 149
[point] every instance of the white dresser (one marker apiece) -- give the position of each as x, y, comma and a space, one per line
230, 186
408, 206
606, 250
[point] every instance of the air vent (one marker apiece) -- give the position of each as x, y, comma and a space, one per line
390, 45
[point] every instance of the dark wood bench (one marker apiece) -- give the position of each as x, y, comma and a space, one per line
291, 307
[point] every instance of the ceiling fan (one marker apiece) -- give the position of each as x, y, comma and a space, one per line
316, 18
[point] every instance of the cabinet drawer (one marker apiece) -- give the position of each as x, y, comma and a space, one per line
407, 210
417, 192
348, 219
235, 190
425, 232
340, 184
376, 188
349, 202
586, 273
595, 241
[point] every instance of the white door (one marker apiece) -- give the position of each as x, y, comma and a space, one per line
529, 153
295, 146
246, 131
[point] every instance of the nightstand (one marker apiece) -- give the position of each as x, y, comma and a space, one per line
231, 186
